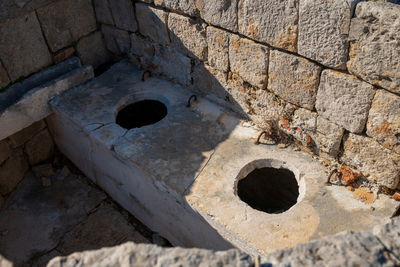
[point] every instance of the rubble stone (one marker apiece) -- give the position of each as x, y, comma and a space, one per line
92, 50
26, 134
5, 150
328, 136
384, 120
117, 41
381, 164
12, 171
123, 14
218, 48
4, 79
274, 22
324, 29
186, 6
153, 23
344, 100
221, 13
40, 147
188, 36
103, 12
249, 60
63, 54
24, 51
77, 19
293, 78
375, 44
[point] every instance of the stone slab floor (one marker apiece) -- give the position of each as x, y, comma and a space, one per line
62, 214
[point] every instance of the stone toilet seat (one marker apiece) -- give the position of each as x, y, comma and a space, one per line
179, 175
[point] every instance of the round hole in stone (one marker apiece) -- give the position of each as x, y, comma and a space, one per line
269, 189
141, 113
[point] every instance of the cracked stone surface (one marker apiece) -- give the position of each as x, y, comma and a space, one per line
70, 215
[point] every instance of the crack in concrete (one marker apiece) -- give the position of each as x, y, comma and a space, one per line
198, 174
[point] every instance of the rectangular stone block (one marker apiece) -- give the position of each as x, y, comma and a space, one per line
218, 48
4, 79
23, 49
256, 104
324, 29
153, 23
384, 120
21, 137
208, 80
273, 22
293, 78
185, 6
375, 44
123, 14
92, 50
222, 13
117, 41
381, 164
249, 60
188, 36
64, 22
172, 64
5, 150
328, 137
344, 100
103, 12
12, 171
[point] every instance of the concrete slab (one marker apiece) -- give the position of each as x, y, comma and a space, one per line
179, 175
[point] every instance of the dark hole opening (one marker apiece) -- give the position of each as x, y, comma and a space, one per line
141, 113
268, 189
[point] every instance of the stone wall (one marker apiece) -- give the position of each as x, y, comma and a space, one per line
28, 148
327, 72
39, 33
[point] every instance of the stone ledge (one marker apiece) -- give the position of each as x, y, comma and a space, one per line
27, 102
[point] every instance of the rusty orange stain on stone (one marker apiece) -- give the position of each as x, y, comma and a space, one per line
348, 176
285, 123
364, 195
396, 196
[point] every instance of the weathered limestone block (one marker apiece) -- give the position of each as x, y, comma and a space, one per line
188, 36
389, 234
153, 23
23, 49
328, 137
185, 6
222, 13
218, 48
372, 159
344, 100
21, 137
124, 15
324, 29
12, 171
117, 41
249, 60
274, 22
103, 12
293, 78
375, 44
5, 150
141, 46
384, 120
208, 80
4, 79
173, 64
131, 254
40, 147
65, 21
256, 104
344, 249
92, 50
